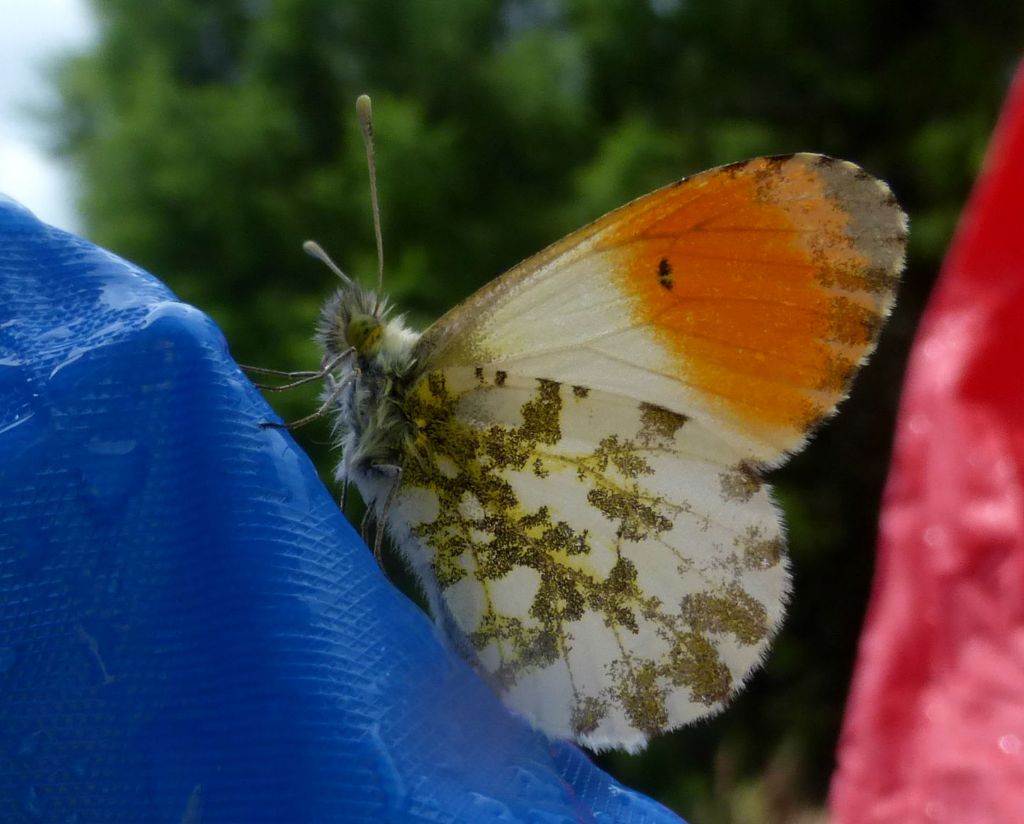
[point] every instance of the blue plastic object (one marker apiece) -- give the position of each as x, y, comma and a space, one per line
190, 631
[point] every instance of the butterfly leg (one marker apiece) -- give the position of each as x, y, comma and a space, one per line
263, 370
267, 387
378, 538
378, 533
364, 525
343, 499
300, 377
324, 409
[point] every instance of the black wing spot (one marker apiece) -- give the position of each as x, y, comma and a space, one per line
665, 273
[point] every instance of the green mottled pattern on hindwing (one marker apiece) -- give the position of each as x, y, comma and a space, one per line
483, 438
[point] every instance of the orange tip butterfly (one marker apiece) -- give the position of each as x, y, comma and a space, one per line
571, 461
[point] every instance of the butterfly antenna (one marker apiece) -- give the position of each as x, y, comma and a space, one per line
365, 113
314, 249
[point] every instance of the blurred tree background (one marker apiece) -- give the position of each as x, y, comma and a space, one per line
211, 137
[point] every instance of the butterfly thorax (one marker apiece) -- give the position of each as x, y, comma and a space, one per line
371, 369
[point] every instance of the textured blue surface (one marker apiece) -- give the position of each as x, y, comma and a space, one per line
190, 632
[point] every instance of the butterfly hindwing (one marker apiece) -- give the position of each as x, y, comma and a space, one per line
615, 568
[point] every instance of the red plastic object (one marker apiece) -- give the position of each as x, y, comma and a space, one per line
934, 730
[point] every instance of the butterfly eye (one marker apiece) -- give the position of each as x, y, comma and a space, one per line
363, 333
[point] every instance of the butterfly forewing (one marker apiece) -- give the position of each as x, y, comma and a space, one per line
613, 566
745, 296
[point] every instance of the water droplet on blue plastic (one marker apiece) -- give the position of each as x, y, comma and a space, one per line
115, 446
31, 803
116, 295
531, 785
490, 809
112, 470
30, 743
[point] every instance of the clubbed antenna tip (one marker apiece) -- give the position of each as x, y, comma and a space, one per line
365, 111
314, 249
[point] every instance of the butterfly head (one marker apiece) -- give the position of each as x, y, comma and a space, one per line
353, 319
363, 333
357, 320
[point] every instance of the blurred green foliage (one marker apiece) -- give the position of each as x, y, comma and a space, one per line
213, 136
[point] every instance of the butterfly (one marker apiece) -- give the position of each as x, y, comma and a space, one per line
572, 460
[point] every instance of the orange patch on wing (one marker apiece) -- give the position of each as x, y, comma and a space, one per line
765, 281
